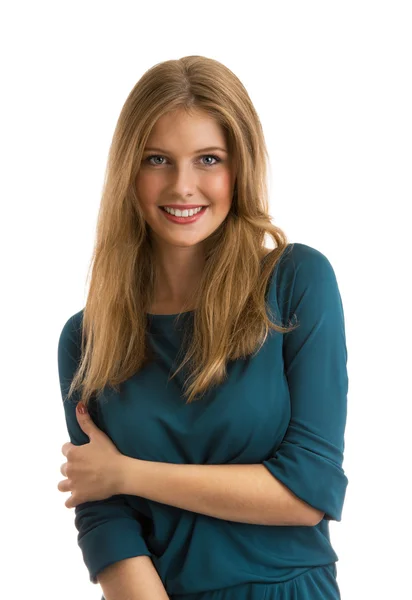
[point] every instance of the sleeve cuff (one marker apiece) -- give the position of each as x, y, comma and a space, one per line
313, 478
111, 542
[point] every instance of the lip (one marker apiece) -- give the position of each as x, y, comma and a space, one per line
183, 206
184, 220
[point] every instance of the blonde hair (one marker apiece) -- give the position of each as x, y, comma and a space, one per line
231, 321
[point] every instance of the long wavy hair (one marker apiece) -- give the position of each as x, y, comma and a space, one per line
231, 320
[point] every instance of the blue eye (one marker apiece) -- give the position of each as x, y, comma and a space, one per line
216, 159
148, 159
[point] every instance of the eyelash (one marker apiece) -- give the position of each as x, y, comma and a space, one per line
218, 160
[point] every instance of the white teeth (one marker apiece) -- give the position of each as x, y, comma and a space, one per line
184, 213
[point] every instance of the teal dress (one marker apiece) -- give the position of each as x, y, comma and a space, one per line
285, 408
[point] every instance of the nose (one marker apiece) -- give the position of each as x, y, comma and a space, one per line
184, 181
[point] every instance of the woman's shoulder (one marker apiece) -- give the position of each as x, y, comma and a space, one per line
301, 267
71, 330
305, 261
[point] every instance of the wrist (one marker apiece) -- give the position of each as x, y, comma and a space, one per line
128, 476
122, 470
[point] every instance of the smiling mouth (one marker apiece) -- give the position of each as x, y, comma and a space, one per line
182, 219
202, 207
184, 207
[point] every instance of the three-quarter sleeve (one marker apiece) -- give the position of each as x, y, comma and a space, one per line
109, 530
309, 458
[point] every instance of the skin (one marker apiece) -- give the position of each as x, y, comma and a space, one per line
179, 174
92, 470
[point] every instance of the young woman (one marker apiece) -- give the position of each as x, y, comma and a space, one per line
209, 463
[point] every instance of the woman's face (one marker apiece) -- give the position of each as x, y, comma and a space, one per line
177, 169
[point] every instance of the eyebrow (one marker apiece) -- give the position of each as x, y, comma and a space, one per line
209, 149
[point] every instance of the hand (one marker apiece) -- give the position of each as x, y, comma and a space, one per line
93, 469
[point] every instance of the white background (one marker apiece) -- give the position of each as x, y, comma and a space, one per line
331, 82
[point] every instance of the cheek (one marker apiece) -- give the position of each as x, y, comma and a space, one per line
147, 187
220, 187
149, 191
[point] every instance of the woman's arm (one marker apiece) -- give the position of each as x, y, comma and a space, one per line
133, 578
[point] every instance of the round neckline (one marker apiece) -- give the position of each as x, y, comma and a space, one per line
151, 315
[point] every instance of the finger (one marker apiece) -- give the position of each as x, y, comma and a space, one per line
70, 502
63, 469
66, 447
64, 486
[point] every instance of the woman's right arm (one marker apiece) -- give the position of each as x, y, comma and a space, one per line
133, 578
110, 532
